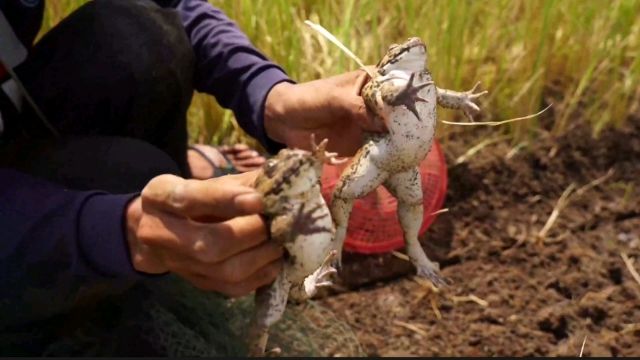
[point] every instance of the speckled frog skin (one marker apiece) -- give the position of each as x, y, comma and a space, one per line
300, 221
403, 96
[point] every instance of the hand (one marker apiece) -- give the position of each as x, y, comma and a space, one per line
206, 231
331, 108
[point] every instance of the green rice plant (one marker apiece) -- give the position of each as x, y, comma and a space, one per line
582, 56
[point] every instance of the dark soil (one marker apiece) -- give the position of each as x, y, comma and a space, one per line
544, 296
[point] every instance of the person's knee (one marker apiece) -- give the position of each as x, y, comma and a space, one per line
148, 37
122, 61
130, 163
114, 164
121, 45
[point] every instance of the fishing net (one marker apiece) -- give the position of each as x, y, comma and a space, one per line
169, 317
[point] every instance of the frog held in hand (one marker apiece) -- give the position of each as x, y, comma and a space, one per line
403, 95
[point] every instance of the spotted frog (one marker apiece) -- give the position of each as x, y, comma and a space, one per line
402, 95
300, 221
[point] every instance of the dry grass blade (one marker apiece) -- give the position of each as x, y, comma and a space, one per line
431, 292
583, 343
444, 210
400, 255
469, 298
324, 32
560, 204
564, 200
421, 294
478, 301
411, 327
516, 149
434, 306
475, 149
426, 284
632, 270
495, 123
629, 328
594, 183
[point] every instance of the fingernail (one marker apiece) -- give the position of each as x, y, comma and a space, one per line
248, 201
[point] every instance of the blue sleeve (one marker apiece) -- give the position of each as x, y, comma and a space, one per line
55, 242
229, 67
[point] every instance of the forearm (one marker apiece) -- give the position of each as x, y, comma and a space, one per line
55, 243
229, 66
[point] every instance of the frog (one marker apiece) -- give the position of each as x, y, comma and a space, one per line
402, 95
299, 220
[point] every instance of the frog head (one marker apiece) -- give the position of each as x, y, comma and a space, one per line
410, 56
294, 172
290, 173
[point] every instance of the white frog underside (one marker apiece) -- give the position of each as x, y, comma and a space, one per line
310, 251
308, 238
392, 159
409, 139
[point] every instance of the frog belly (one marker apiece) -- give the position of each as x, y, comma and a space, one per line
403, 148
409, 139
308, 251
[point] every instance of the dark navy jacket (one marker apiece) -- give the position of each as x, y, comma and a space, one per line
54, 241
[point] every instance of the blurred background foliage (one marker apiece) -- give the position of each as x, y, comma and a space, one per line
581, 56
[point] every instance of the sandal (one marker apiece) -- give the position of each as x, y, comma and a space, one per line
222, 155
217, 170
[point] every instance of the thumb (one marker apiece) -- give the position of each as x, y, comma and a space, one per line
218, 198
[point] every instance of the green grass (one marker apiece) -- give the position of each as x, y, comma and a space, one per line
582, 56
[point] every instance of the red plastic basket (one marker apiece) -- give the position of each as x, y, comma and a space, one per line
373, 225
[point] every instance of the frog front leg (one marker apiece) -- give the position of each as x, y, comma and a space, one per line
460, 100
406, 187
309, 287
270, 302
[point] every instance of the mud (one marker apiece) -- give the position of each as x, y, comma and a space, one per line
531, 295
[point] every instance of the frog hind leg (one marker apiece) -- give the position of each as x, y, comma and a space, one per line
360, 178
406, 187
271, 301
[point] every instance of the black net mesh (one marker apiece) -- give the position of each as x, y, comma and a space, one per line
169, 317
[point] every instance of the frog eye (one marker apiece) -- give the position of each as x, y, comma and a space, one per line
271, 163
270, 167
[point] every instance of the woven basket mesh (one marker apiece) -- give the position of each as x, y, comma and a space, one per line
373, 225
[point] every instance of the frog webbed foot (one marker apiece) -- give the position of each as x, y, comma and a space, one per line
469, 108
431, 271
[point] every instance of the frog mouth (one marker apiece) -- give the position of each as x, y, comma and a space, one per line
409, 58
415, 42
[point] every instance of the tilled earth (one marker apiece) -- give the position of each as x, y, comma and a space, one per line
515, 292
